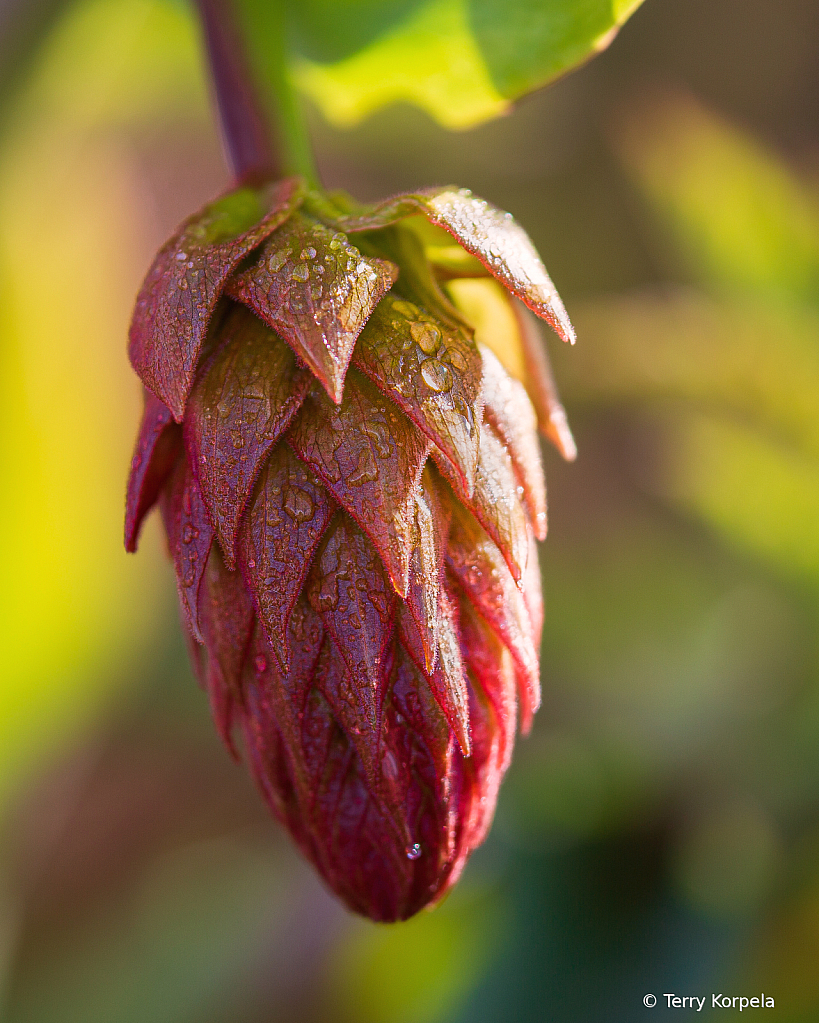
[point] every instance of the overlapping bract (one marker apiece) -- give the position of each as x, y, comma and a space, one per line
351, 489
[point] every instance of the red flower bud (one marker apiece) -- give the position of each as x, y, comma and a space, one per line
351, 488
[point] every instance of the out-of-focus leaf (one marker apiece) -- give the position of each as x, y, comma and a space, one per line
77, 604
759, 364
760, 495
741, 219
418, 972
178, 947
462, 61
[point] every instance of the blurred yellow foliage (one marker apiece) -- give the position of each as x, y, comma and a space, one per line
75, 237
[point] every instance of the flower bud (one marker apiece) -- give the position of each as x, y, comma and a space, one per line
340, 423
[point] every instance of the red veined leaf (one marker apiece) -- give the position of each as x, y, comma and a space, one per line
190, 536
226, 618
303, 729
540, 383
483, 771
317, 291
278, 536
495, 501
430, 369
179, 294
448, 682
426, 564
486, 232
242, 401
370, 457
490, 666
532, 592
480, 571
509, 411
349, 588
158, 446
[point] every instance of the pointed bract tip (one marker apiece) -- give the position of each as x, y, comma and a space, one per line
558, 431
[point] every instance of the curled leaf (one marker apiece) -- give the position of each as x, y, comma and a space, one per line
510, 413
158, 446
190, 536
484, 231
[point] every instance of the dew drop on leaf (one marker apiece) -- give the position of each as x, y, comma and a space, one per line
437, 376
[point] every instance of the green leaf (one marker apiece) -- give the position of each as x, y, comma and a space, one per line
462, 61
755, 363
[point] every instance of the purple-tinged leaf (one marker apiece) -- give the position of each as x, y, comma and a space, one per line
370, 458
486, 232
540, 383
426, 565
448, 682
241, 403
489, 665
479, 570
279, 534
350, 589
158, 445
288, 695
178, 297
495, 501
190, 536
226, 618
509, 411
483, 771
317, 291
430, 369
416, 709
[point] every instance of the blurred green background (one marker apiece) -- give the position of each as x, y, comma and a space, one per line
659, 830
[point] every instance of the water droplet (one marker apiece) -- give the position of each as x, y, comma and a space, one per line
427, 336
406, 309
380, 437
437, 376
236, 439
299, 504
301, 274
181, 256
277, 261
260, 663
389, 766
413, 851
308, 253
455, 359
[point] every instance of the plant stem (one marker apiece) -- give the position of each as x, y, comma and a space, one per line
262, 126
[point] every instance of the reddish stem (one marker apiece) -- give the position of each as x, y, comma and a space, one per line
246, 133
